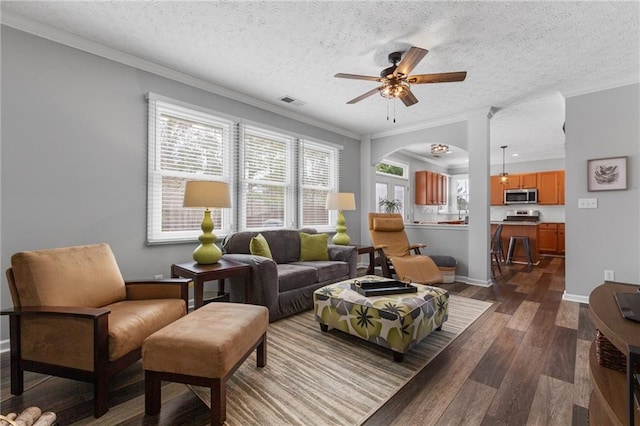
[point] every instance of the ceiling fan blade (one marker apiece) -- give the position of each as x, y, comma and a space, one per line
365, 95
443, 77
410, 60
357, 77
408, 98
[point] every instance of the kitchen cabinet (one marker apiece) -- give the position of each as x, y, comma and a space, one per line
551, 187
522, 181
430, 188
561, 187
421, 188
551, 238
497, 191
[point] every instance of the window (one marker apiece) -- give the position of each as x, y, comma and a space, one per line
266, 191
459, 193
391, 184
391, 168
276, 179
183, 144
318, 177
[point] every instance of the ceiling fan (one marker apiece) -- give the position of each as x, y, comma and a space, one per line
396, 81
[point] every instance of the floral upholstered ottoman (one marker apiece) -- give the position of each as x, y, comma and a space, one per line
394, 321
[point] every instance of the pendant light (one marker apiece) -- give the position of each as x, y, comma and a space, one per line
504, 177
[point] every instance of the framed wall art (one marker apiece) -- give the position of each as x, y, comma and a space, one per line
607, 174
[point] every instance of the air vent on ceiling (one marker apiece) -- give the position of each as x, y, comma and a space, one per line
292, 101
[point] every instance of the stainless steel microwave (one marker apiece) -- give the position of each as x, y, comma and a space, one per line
521, 196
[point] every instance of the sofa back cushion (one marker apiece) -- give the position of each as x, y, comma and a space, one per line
284, 244
86, 276
259, 246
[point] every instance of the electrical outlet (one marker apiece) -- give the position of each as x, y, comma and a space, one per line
158, 276
608, 275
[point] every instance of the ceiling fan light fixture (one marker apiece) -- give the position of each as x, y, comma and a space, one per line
394, 90
439, 149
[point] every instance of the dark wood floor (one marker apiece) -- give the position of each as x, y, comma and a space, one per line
525, 361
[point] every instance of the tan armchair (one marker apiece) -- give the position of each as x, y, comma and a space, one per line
394, 253
75, 317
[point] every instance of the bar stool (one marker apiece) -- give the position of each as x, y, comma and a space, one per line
527, 248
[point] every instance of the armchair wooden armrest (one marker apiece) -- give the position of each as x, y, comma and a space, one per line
169, 288
416, 247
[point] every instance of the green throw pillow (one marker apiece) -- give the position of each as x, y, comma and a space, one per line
313, 247
260, 247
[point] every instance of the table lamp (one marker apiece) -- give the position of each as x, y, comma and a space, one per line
341, 201
206, 194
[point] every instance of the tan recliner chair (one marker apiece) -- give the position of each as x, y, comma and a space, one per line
394, 251
75, 317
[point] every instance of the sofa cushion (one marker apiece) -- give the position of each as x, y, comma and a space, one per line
72, 276
259, 246
293, 276
313, 247
328, 270
283, 243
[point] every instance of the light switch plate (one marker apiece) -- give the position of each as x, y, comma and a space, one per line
587, 203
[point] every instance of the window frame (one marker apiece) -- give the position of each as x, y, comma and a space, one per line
403, 166
155, 174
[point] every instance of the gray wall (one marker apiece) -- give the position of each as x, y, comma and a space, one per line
74, 153
599, 125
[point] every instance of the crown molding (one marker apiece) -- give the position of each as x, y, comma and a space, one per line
614, 84
426, 125
48, 32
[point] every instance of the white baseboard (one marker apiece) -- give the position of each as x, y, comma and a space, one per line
473, 281
575, 298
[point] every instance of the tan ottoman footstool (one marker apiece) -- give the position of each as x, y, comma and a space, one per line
204, 348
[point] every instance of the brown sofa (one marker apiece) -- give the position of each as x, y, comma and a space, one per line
285, 285
75, 317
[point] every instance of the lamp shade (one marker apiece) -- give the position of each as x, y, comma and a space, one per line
199, 193
341, 201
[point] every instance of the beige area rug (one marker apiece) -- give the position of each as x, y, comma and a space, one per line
316, 378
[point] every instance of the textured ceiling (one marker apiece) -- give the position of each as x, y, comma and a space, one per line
518, 55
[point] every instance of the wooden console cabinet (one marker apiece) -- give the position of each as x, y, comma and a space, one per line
611, 401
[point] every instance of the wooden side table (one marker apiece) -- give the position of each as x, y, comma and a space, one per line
217, 271
612, 400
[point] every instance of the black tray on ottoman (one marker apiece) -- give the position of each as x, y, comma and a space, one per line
381, 288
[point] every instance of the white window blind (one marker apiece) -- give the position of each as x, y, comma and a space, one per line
184, 144
318, 177
266, 195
